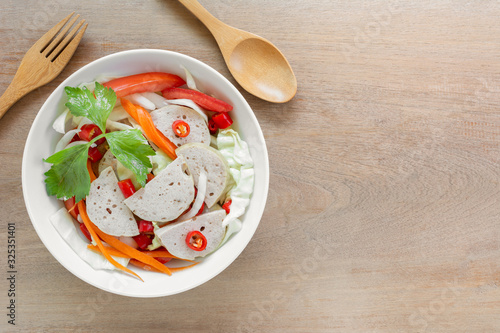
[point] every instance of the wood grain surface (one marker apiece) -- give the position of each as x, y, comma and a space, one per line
383, 212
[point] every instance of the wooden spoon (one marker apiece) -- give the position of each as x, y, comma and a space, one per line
258, 66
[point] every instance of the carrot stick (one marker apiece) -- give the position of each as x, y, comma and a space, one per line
92, 229
144, 119
130, 251
177, 269
111, 250
154, 254
130, 108
163, 254
154, 134
145, 267
91, 172
142, 265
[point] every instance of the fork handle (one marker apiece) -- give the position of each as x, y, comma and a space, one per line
11, 95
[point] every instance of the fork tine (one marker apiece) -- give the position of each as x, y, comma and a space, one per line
63, 56
66, 40
48, 50
42, 43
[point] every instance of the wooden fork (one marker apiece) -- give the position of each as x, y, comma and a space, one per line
44, 60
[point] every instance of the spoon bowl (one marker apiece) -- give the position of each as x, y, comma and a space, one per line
266, 74
255, 63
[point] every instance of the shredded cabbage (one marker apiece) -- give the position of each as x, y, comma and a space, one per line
64, 141
142, 101
159, 101
189, 79
63, 223
233, 227
159, 161
89, 85
59, 124
76, 143
123, 173
118, 113
237, 154
105, 78
200, 197
156, 240
213, 141
101, 79
84, 121
136, 125
117, 126
234, 149
190, 104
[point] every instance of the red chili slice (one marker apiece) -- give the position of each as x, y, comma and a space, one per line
94, 154
223, 120
196, 241
127, 187
208, 102
142, 241
212, 126
181, 128
201, 209
75, 138
90, 131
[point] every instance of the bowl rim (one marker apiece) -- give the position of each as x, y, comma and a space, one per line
258, 214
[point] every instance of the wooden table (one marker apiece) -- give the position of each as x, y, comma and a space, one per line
383, 212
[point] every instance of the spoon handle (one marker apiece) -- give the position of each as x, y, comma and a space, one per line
212, 23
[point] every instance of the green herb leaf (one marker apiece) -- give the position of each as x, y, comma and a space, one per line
81, 102
68, 175
132, 150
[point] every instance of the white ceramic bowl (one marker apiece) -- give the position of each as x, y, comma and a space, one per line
41, 142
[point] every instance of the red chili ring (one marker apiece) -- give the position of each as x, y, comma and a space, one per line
181, 128
196, 241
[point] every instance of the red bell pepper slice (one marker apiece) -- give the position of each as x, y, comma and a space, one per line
145, 226
226, 206
127, 187
163, 260
142, 241
196, 241
90, 131
208, 102
145, 82
94, 154
181, 128
85, 231
72, 208
222, 120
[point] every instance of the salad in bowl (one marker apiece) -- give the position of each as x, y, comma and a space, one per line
150, 178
